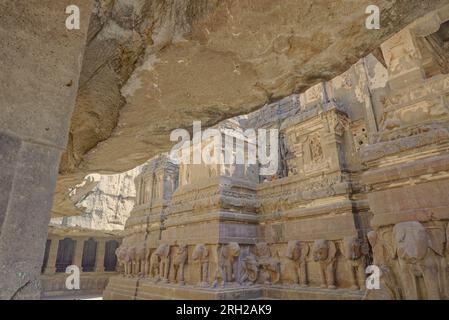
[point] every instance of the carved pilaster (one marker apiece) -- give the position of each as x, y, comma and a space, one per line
99, 257
52, 255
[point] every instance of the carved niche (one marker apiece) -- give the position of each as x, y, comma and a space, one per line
316, 151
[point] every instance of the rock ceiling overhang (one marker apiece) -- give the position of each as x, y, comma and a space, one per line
153, 66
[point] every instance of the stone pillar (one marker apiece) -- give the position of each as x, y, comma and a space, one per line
50, 268
99, 258
78, 257
41, 64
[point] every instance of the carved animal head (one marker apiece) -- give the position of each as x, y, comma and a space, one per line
181, 254
130, 253
141, 249
297, 250
163, 251
231, 250
120, 252
200, 253
182, 249
251, 266
352, 247
263, 250
324, 250
410, 241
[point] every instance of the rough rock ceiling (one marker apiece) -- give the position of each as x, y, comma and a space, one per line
152, 66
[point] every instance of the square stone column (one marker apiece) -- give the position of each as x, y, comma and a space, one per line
50, 268
99, 258
39, 75
78, 256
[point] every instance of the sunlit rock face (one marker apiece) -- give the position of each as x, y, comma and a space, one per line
107, 203
153, 66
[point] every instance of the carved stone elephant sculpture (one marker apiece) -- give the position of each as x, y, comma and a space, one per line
163, 251
418, 255
179, 262
130, 259
388, 285
355, 254
297, 252
225, 265
250, 270
154, 266
140, 259
325, 252
201, 255
121, 253
270, 266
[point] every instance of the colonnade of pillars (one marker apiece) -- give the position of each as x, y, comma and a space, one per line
60, 254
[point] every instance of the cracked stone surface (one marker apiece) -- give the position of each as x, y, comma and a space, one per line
153, 66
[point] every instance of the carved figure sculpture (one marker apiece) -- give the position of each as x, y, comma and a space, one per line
250, 270
270, 266
160, 262
417, 254
388, 289
201, 255
298, 252
130, 258
163, 252
316, 150
225, 264
355, 255
324, 252
140, 258
179, 262
154, 266
121, 253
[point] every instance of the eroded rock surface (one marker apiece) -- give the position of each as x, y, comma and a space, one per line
107, 204
153, 66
